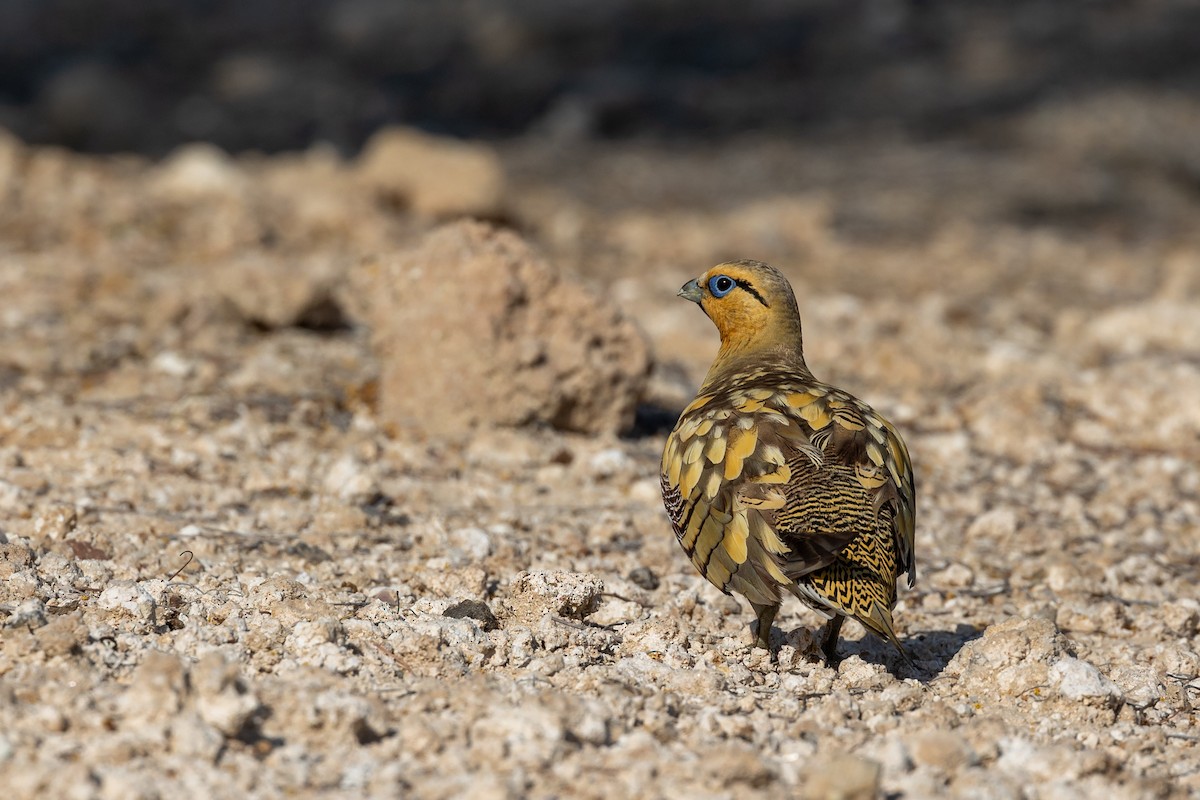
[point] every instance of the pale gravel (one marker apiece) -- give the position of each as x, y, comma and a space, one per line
1046, 384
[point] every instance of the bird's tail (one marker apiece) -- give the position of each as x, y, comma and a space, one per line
878, 620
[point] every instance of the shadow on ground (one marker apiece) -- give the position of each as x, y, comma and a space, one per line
930, 651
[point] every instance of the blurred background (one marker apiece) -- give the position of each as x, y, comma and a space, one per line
271, 75
1046, 154
1073, 115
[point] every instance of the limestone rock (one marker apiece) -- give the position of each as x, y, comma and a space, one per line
1150, 418
1012, 658
1076, 679
433, 175
198, 171
844, 778
568, 594
277, 294
945, 751
1161, 325
473, 328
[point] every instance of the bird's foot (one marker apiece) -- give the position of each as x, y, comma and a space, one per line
762, 635
829, 641
832, 659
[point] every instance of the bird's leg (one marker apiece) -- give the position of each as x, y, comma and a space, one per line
830, 639
766, 615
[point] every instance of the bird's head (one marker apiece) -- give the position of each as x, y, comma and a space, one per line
754, 309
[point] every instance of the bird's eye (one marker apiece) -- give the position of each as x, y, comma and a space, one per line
720, 285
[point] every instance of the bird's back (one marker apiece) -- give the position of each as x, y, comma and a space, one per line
835, 528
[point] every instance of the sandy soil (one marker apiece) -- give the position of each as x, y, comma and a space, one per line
227, 572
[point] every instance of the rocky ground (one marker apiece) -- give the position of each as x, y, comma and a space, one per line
268, 530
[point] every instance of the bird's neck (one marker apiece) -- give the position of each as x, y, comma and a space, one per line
738, 356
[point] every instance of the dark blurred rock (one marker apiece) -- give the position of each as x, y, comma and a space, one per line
476, 610
645, 578
392, 37
93, 106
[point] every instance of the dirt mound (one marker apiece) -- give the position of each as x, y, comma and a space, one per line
473, 328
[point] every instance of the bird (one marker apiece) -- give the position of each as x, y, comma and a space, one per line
777, 482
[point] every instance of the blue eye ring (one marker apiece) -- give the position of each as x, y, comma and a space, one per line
721, 285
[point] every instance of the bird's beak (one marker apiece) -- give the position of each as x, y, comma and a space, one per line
692, 291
